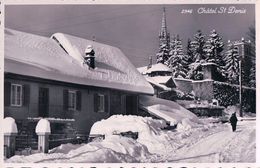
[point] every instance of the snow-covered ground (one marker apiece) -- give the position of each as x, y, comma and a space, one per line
221, 146
207, 142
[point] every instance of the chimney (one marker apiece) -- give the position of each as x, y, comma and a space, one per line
90, 56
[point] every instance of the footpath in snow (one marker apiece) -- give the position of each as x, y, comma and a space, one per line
223, 146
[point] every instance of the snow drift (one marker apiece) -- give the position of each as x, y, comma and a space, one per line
113, 149
151, 132
173, 146
169, 111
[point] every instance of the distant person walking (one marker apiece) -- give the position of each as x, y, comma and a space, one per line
233, 121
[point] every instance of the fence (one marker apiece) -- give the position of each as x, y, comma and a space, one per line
58, 139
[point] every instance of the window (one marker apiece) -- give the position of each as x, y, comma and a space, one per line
101, 103
16, 95
72, 100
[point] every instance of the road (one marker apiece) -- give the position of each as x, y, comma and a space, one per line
223, 146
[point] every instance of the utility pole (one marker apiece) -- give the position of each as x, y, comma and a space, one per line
240, 77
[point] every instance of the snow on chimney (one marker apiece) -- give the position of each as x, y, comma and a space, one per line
90, 56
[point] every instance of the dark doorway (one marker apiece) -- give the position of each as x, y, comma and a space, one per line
131, 105
43, 102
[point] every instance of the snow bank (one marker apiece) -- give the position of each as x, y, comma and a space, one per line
145, 126
65, 148
150, 131
43, 126
113, 149
170, 111
9, 126
186, 124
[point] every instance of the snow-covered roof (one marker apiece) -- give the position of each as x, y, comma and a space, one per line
158, 83
154, 68
61, 59
168, 110
162, 79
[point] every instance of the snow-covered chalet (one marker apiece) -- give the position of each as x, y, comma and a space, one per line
160, 77
46, 78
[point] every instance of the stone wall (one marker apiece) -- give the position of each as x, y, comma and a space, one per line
184, 85
203, 89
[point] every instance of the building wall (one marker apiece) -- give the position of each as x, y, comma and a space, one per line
203, 89
184, 85
84, 118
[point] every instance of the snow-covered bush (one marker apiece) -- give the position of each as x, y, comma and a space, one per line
9, 126
43, 126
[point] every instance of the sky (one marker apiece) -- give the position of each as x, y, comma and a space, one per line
132, 28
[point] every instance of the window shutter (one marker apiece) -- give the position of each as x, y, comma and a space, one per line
96, 102
7, 93
106, 104
65, 99
78, 100
26, 95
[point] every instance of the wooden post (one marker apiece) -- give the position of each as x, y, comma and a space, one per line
9, 144
43, 130
43, 142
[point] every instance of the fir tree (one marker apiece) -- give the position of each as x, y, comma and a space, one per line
213, 49
197, 46
213, 52
196, 55
251, 36
163, 53
252, 77
190, 58
178, 60
172, 46
195, 70
232, 64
